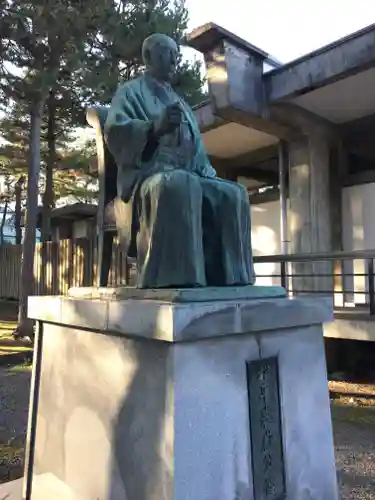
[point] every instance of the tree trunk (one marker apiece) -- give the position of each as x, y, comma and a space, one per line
48, 193
25, 326
18, 211
3, 222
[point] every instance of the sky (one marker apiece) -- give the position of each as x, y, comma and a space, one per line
286, 29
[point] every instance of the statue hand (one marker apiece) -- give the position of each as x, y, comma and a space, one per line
168, 120
207, 171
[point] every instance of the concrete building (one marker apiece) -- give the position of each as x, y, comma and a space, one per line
73, 221
300, 136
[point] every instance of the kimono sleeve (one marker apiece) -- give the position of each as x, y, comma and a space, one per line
127, 129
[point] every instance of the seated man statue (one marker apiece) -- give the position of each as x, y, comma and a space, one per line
186, 227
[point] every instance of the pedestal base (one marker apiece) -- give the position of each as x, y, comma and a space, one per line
175, 295
193, 401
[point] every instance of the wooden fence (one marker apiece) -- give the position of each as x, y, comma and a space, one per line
59, 266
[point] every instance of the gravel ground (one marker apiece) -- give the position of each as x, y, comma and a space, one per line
355, 444
14, 401
355, 458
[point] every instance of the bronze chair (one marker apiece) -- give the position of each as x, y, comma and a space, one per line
107, 173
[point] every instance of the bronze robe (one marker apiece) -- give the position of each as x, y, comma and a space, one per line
187, 227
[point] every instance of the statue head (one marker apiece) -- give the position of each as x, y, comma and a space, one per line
160, 54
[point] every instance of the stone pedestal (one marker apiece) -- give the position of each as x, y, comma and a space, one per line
149, 399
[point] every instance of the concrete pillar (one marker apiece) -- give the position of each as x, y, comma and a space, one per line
339, 166
310, 229
283, 196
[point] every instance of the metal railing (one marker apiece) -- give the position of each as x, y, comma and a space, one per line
347, 276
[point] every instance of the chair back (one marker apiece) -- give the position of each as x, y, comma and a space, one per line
107, 173
107, 168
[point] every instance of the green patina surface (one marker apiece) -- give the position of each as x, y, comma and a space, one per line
185, 226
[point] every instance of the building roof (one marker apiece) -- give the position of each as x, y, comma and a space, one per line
249, 112
75, 211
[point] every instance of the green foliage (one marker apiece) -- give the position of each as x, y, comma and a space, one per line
57, 56
74, 53
68, 162
115, 53
74, 187
189, 82
73, 178
40, 40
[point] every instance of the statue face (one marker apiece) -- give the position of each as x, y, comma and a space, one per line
162, 61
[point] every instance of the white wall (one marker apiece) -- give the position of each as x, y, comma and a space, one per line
358, 221
266, 239
358, 224
265, 230
80, 229
358, 217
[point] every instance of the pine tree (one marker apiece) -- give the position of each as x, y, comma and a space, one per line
62, 55
70, 161
115, 53
38, 38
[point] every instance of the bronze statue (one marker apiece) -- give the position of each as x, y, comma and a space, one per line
186, 227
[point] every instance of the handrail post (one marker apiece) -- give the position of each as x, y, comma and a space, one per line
283, 274
338, 282
344, 294
371, 288
127, 270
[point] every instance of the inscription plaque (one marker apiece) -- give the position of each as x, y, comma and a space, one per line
266, 430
